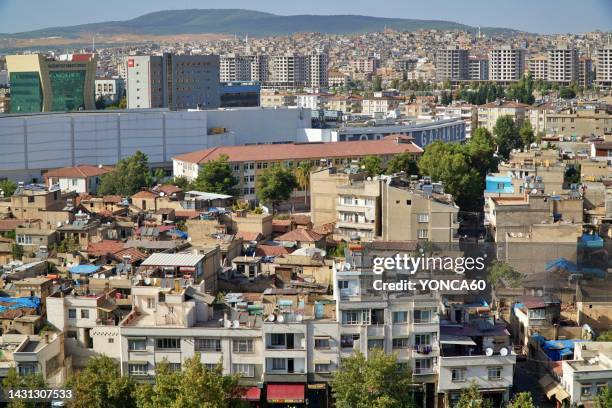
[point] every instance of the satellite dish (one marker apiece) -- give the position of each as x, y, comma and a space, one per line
139, 277
271, 318
281, 318
227, 324
235, 324
503, 351
489, 351
148, 281
299, 318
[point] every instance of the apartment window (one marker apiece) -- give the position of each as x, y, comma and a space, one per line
402, 343
137, 368
174, 366
348, 340
278, 340
422, 339
322, 368
72, 313
150, 303
585, 390
207, 344
347, 200
279, 364
322, 343
376, 343
422, 365
601, 387
422, 316
369, 202
244, 370
494, 373
350, 317
168, 343
111, 340
26, 369
343, 284
137, 344
403, 366
537, 313
458, 374
423, 233
24, 239
242, 346
400, 317
408, 202
210, 366
84, 313
236, 167
423, 217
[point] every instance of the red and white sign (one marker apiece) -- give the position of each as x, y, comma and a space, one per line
131, 63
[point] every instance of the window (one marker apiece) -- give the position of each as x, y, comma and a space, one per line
400, 317
84, 313
207, 344
585, 390
537, 313
402, 343
137, 344
344, 284
600, 387
375, 343
150, 303
322, 368
494, 373
322, 343
348, 340
24, 240
168, 343
347, 200
244, 370
422, 316
279, 364
278, 340
242, 346
423, 217
422, 234
408, 202
111, 340
350, 317
458, 374
72, 313
174, 366
422, 365
25, 369
210, 366
137, 368
422, 339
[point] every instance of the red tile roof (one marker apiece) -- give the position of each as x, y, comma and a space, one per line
249, 236
104, 247
169, 189
80, 171
187, 214
10, 224
272, 250
133, 253
111, 199
300, 235
300, 151
144, 194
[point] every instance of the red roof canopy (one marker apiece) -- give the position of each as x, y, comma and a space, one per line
252, 394
286, 393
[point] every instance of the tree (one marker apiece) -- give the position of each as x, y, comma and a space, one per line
130, 175
17, 252
275, 185
216, 176
522, 90
302, 176
14, 381
377, 84
100, 385
480, 150
501, 271
372, 165
180, 182
522, 400
567, 93
403, 162
526, 133
472, 398
605, 336
506, 136
159, 175
373, 382
100, 103
604, 398
572, 174
8, 187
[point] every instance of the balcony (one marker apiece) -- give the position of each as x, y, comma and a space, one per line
356, 225
285, 377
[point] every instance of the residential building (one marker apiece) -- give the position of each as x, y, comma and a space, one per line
579, 123
110, 90
506, 64
562, 65
603, 59
588, 373
36, 202
317, 70
452, 64
173, 81
490, 112
538, 67
380, 105
585, 71
250, 161
478, 68
233, 67
364, 65
81, 179
41, 84
288, 71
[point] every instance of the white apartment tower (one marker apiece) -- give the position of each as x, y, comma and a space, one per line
234, 67
452, 64
562, 64
603, 76
506, 63
538, 67
478, 68
317, 73
288, 71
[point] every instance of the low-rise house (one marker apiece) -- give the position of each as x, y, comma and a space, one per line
531, 315
588, 373
302, 238
83, 178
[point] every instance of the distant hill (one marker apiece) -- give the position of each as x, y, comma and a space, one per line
236, 21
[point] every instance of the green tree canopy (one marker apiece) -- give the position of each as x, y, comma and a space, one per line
506, 136
480, 150
100, 385
302, 177
522, 90
130, 175
14, 381
8, 187
402, 162
522, 400
604, 398
216, 176
502, 271
372, 165
180, 182
567, 93
472, 398
17, 252
375, 382
526, 133
275, 185
605, 336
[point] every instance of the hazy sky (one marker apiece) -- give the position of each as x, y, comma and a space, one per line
543, 16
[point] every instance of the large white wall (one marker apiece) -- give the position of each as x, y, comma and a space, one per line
31, 143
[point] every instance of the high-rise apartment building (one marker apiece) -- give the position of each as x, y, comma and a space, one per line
41, 84
506, 63
478, 68
562, 64
234, 67
452, 64
603, 76
288, 71
317, 70
173, 81
585, 71
538, 67
259, 67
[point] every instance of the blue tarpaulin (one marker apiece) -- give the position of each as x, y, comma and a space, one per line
178, 233
84, 269
9, 303
571, 267
591, 241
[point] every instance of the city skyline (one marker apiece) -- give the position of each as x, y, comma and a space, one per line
521, 14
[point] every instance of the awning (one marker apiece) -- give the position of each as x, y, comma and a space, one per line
252, 394
285, 393
553, 389
458, 340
